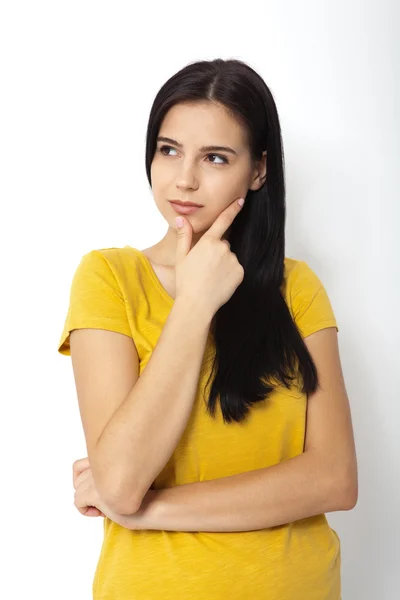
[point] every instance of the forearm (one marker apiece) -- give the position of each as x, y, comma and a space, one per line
143, 433
298, 488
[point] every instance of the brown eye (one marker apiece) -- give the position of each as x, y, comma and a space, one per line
162, 148
223, 158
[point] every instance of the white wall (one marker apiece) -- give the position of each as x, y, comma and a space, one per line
78, 80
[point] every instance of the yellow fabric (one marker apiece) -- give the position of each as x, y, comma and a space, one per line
117, 289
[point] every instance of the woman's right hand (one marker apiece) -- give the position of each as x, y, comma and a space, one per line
208, 274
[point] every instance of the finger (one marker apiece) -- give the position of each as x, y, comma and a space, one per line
224, 220
88, 511
79, 466
81, 462
92, 511
184, 240
81, 504
85, 510
80, 478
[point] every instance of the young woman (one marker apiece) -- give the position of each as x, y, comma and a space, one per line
207, 370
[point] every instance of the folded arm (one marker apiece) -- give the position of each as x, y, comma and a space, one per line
321, 479
295, 489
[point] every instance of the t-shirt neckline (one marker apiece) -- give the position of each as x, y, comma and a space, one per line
153, 274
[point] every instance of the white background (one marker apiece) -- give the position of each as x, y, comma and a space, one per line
78, 80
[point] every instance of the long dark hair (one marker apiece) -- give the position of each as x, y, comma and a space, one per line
257, 342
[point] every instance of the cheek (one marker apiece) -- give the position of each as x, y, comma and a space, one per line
227, 188
162, 178
154, 169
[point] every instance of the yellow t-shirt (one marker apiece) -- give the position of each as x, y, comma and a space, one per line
117, 289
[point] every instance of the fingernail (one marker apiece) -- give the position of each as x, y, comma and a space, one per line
179, 222
241, 201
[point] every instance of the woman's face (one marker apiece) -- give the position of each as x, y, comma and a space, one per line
185, 172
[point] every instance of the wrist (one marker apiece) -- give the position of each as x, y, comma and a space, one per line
186, 308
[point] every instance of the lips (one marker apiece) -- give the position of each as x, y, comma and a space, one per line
184, 209
186, 203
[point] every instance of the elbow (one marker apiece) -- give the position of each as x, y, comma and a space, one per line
118, 500
340, 491
129, 505
117, 492
343, 484
125, 506
349, 496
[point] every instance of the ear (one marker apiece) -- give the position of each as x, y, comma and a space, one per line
260, 173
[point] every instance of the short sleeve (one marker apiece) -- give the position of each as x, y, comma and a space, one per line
310, 304
96, 300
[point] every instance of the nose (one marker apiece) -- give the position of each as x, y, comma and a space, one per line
187, 177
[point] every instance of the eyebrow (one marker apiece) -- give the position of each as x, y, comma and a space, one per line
202, 149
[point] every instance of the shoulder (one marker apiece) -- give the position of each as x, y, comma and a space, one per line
307, 297
110, 261
299, 277
296, 269
111, 256
97, 295
103, 271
